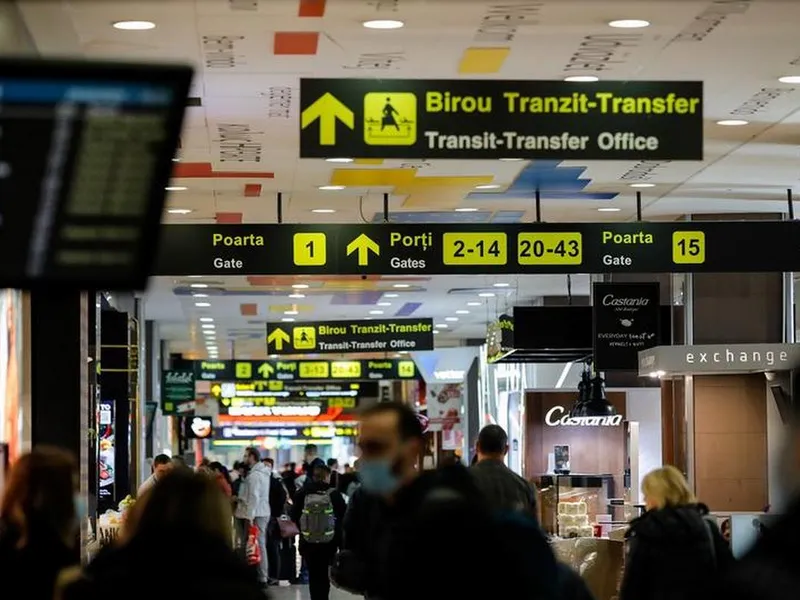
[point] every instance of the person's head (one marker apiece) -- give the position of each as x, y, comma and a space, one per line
179, 463
161, 465
390, 440
310, 452
41, 496
252, 456
725, 530
219, 469
240, 468
666, 487
269, 462
321, 474
348, 468
183, 503
492, 443
333, 464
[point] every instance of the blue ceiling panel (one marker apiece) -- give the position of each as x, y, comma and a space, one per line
436, 217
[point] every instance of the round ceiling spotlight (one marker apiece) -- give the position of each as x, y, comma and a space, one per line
582, 78
793, 79
732, 122
383, 24
133, 25
629, 23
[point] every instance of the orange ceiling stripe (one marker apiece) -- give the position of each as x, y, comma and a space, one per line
311, 8
252, 190
248, 310
227, 218
296, 43
206, 171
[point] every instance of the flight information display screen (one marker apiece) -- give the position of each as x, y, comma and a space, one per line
86, 151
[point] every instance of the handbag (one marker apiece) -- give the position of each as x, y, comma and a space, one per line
252, 548
287, 527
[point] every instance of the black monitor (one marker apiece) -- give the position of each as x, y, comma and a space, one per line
86, 151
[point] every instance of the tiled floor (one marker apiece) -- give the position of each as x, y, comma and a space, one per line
300, 592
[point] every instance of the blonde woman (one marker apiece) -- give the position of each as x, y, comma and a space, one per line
674, 549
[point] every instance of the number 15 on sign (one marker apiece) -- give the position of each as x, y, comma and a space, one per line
309, 249
688, 247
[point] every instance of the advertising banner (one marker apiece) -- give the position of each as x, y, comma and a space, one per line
177, 391
626, 319
493, 119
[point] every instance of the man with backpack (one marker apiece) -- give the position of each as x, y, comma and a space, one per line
318, 510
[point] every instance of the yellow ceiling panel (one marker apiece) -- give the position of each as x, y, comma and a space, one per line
372, 177
484, 61
368, 161
301, 308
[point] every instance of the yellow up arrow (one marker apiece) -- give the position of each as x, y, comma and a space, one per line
363, 244
277, 338
266, 369
327, 109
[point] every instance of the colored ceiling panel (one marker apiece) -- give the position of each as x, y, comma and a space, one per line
436, 217
553, 181
372, 177
476, 61
408, 309
507, 216
228, 218
248, 310
296, 43
252, 190
311, 8
357, 299
182, 170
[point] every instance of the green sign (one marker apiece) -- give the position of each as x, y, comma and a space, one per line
305, 370
334, 337
530, 248
177, 390
491, 119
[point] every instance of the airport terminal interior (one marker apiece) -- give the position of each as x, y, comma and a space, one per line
572, 219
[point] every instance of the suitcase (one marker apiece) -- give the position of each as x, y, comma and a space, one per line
288, 561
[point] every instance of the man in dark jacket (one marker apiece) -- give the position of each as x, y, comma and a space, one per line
504, 489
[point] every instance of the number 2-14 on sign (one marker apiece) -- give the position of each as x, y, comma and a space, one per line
309, 249
688, 247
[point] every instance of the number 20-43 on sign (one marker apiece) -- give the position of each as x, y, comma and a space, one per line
551, 248
309, 249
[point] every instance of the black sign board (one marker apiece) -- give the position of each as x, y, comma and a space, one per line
626, 318
699, 246
85, 153
177, 390
327, 337
305, 370
197, 428
491, 119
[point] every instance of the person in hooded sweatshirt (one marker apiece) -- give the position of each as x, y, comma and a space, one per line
674, 549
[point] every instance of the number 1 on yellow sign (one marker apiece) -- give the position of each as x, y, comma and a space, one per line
308, 249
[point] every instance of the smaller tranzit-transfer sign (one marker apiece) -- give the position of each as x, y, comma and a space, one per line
350, 336
626, 321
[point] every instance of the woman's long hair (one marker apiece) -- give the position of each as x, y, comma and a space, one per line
39, 497
667, 487
218, 467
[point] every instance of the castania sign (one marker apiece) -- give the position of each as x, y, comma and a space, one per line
558, 416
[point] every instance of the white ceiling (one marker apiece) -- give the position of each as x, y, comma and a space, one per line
246, 92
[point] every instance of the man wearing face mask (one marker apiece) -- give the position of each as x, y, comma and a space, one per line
769, 570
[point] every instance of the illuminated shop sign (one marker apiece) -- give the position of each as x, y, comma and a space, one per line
718, 359
236, 432
558, 416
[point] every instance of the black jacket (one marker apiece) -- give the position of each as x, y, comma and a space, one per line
339, 508
673, 553
503, 489
769, 571
187, 565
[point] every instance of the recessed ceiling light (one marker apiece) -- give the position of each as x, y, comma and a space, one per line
629, 23
202, 304
297, 296
209, 333
441, 326
287, 319
212, 348
451, 319
176, 159
384, 303
273, 356
463, 312
794, 79
732, 122
376, 312
609, 209
435, 331
339, 160
206, 319
291, 312
134, 25
511, 159
331, 188
300, 286
195, 276
179, 211
383, 24
401, 285
486, 294
323, 211
198, 295
643, 185
176, 188
488, 186
199, 285
466, 210
501, 284
208, 326
474, 303
582, 78
391, 295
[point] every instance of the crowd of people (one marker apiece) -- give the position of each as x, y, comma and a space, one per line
386, 530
